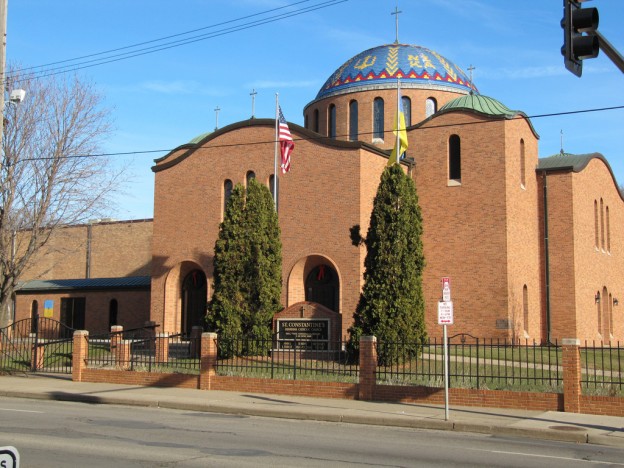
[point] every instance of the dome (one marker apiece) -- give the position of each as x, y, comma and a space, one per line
478, 103
379, 68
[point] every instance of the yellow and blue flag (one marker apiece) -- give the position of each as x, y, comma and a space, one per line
400, 132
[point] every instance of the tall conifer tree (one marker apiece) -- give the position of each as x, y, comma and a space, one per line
391, 304
247, 266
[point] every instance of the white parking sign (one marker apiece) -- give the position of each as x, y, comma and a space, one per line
9, 457
445, 313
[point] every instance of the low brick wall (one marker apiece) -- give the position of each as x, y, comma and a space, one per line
366, 389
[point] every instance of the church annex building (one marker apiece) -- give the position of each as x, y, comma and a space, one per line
530, 244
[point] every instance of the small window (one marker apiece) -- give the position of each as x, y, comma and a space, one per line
34, 317
250, 175
306, 121
378, 118
332, 122
227, 192
353, 121
407, 110
605, 314
454, 162
522, 165
316, 120
431, 107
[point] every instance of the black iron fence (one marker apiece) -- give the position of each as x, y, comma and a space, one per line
474, 363
292, 359
142, 349
602, 368
36, 345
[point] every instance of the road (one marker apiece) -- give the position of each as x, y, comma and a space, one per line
62, 434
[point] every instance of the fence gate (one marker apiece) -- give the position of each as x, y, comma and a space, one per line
36, 345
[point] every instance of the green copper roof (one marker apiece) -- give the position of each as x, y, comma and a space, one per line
479, 103
573, 162
199, 138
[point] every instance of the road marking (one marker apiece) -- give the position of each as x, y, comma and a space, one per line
20, 410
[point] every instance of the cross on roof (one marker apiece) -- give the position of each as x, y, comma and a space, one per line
396, 13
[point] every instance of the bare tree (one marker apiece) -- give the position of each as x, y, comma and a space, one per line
50, 173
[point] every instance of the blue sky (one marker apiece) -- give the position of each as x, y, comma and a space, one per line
163, 99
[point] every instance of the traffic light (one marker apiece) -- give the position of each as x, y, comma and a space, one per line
579, 35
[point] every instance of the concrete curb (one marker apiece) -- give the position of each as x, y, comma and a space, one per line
344, 416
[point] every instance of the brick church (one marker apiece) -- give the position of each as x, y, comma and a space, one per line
531, 245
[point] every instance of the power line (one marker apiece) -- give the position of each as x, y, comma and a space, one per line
325, 138
50, 70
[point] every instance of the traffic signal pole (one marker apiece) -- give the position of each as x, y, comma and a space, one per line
610, 51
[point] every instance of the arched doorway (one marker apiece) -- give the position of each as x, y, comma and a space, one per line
194, 295
321, 286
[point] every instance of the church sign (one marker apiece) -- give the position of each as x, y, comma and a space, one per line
310, 334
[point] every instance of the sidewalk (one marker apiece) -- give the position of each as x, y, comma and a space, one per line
552, 425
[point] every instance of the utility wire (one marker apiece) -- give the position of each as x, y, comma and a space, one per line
324, 138
50, 71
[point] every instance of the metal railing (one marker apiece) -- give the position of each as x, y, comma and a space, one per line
142, 350
474, 363
602, 368
293, 359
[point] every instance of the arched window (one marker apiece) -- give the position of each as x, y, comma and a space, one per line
113, 309
431, 107
332, 121
602, 226
227, 192
454, 160
610, 314
306, 121
596, 236
407, 110
316, 120
605, 315
378, 118
525, 308
250, 175
353, 121
522, 164
608, 231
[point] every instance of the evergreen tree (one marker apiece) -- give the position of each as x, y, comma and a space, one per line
247, 269
391, 304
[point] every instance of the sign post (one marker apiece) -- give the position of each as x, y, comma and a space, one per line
445, 317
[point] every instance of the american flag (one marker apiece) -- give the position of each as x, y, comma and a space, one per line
286, 142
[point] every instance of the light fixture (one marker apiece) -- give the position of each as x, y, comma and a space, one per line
615, 301
597, 297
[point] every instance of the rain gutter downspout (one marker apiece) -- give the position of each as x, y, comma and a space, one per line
546, 257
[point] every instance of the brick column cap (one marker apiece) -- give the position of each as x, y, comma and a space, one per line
368, 338
571, 342
209, 335
81, 332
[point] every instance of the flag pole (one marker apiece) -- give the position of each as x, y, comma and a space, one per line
276, 145
398, 121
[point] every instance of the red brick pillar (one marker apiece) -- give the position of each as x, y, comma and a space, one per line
122, 354
161, 352
80, 354
37, 356
116, 337
208, 360
368, 367
196, 335
571, 375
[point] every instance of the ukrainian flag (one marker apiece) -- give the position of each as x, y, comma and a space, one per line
400, 132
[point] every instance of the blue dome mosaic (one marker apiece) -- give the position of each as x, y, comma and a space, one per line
379, 67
